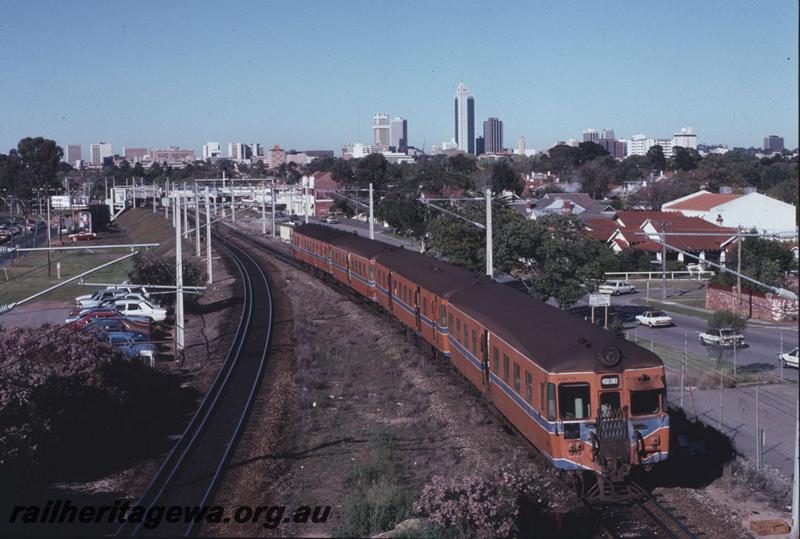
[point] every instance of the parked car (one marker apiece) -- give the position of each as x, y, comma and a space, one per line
140, 307
112, 291
654, 319
331, 219
115, 324
78, 322
130, 347
98, 297
790, 359
722, 337
615, 288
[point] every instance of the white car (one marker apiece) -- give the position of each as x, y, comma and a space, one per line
722, 337
615, 288
654, 319
140, 308
790, 359
93, 300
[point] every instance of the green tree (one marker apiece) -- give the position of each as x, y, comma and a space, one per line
405, 214
342, 172
589, 151
683, 159
594, 177
152, 269
371, 169
505, 178
726, 320
655, 157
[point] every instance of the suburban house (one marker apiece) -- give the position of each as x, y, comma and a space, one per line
746, 210
579, 204
642, 230
320, 191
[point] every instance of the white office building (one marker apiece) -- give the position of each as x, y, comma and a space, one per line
380, 130
687, 138
640, 144
100, 151
465, 119
212, 150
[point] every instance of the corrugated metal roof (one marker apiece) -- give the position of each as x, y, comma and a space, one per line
702, 202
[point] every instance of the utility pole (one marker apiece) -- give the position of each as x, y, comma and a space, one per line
264, 210
197, 220
233, 202
272, 193
663, 262
178, 283
371, 215
106, 190
185, 204
208, 242
739, 271
758, 435
49, 227
305, 201
154, 196
489, 250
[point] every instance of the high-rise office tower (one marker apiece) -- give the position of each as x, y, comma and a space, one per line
607, 134
465, 119
686, 138
73, 153
135, 155
99, 152
480, 147
521, 146
399, 134
773, 143
380, 130
493, 135
590, 135
212, 150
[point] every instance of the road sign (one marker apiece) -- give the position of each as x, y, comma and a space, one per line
599, 300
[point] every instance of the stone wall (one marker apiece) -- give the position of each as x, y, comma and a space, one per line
756, 305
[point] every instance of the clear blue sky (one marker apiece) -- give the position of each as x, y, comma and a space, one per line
309, 75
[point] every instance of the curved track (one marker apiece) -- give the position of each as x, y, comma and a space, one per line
192, 470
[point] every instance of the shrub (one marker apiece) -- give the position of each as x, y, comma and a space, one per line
486, 506
153, 269
726, 319
378, 500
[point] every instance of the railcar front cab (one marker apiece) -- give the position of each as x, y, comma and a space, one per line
619, 418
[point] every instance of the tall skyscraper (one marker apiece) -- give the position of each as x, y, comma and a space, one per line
773, 143
380, 130
590, 135
493, 135
73, 153
399, 134
99, 152
239, 152
521, 146
465, 119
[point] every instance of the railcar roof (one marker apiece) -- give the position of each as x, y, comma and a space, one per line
317, 232
434, 275
553, 338
360, 245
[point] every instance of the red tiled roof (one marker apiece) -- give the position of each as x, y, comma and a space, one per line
323, 181
600, 229
702, 202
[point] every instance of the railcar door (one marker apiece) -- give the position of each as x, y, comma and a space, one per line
416, 309
435, 318
390, 291
485, 355
349, 278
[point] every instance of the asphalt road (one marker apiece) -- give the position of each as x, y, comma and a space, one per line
763, 339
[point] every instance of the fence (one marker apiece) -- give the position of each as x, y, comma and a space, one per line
755, 408
655, 275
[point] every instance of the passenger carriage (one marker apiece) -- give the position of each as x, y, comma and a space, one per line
353, 262
415, 288
587, 400
311, 244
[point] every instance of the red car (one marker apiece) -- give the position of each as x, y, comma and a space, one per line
132, 325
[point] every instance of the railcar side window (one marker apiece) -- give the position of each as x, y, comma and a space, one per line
496, 354
645, 402
541, 396
371, 273
465, 342
609, 401
443, 315
516, 378
551, 402
528, 387
474, 342
458, 326
505, 368
425, 305
574, 401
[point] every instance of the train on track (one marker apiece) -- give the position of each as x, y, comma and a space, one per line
593, 404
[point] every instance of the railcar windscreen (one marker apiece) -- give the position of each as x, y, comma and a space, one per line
646, 402
573, 401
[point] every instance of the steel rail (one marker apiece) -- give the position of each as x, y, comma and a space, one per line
179, 451
673, 520
235, 370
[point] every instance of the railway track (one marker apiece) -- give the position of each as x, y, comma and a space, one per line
646, 517
191, 472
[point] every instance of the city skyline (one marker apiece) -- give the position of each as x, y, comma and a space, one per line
737, 85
